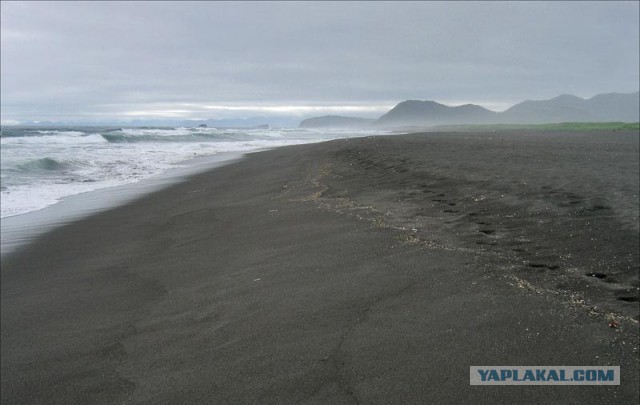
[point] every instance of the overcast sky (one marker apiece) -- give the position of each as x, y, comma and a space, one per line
92, 60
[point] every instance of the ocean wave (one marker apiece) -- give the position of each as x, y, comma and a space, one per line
52, 139
159, 135
182, 131
115, 137
57, 132
42, 165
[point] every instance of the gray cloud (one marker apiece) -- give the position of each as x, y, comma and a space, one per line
90, 58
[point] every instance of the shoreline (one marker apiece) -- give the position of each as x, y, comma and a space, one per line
364, 270
19, 230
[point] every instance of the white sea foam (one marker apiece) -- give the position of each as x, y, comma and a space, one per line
22, 199
53, 139
41, 167
57, 132
159, 131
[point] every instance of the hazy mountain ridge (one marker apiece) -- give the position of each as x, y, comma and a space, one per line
567, 107
606, 107
414, 112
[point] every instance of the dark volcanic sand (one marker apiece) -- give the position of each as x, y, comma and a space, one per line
372, 270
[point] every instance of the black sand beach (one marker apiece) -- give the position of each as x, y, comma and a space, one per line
372, 270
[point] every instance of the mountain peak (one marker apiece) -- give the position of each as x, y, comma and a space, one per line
567, 98
418, 104
428, 112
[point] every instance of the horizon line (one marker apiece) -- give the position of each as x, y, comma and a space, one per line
196, 111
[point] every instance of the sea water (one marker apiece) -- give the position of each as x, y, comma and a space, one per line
42, 166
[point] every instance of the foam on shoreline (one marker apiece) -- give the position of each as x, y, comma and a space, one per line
18, 230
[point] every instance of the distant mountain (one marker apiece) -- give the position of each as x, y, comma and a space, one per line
570, 108
336, 121
562, 108
609, 107
615, 107
423, 113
